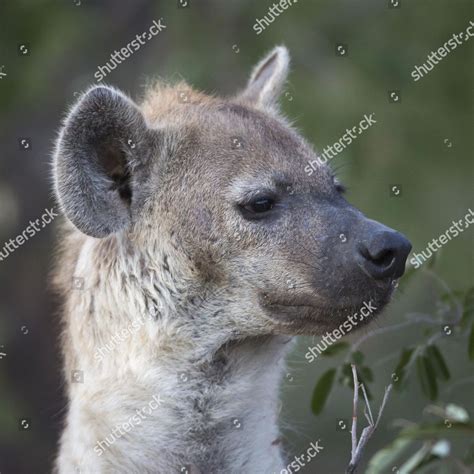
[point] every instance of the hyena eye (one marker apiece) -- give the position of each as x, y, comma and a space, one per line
258, 206
261, 205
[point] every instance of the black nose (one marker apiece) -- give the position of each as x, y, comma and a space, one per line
384, 254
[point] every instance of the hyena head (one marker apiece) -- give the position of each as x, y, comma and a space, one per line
215, 191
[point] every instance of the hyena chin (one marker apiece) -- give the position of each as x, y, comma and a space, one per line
195, 247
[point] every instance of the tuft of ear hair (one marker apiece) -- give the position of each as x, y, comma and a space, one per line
268, 78
99, 161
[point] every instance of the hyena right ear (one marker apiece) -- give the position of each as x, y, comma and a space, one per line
101, 160
268, 78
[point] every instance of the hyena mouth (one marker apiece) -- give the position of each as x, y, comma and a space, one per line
309, 316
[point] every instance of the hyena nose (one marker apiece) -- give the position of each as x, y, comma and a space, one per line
384, 254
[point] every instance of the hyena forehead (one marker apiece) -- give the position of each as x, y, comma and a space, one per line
233, 138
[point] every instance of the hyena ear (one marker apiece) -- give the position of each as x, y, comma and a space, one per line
100, 161
268, 77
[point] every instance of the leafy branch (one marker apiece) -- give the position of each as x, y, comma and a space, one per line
359, 446
454, 317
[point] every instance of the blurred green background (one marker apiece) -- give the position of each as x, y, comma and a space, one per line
423, 144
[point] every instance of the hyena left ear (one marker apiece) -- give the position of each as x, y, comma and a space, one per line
101, 162
268, 77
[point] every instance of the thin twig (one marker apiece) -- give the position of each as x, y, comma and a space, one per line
354, 411
359, 446
384, 402
367, 416
367, 404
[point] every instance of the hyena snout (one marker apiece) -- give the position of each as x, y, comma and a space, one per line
382, 252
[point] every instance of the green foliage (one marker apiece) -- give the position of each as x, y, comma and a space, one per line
436, 438
427, 377
386, 458
399, 372
427, 361
439, 429
322, 390
357, 357
439, 364
335, 349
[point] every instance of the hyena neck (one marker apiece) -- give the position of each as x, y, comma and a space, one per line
224, 409
164, 398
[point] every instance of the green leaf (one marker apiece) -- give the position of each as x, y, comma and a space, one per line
471, 343
438, 362
399, 372
456, 413
335, 349
358, 357
427, 377
321, 391
421, 457
384, 460
444, 430
346, 376
427, 466
366, 374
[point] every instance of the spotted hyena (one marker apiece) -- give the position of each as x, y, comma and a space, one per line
195, 247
